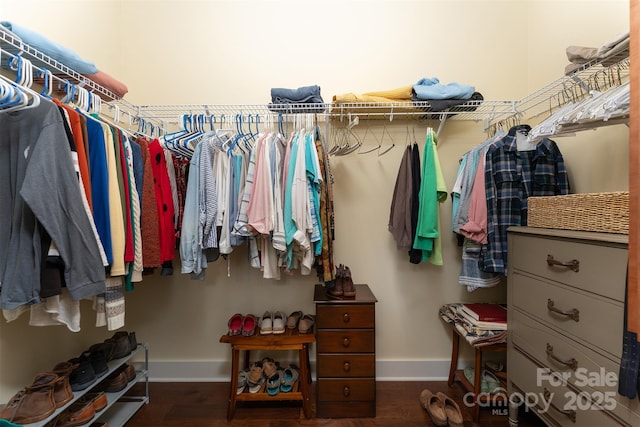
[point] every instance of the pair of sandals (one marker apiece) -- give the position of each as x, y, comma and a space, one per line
279, 380
242, 325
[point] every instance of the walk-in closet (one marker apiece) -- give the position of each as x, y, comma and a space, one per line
291, 204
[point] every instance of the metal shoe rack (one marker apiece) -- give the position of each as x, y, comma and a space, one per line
120, 407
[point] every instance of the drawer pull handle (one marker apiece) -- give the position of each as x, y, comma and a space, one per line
569, 413
571, 363
347, 366
346, 391
346, 318
574, 313
574, 264
346, 342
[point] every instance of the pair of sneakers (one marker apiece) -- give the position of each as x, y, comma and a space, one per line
272, 323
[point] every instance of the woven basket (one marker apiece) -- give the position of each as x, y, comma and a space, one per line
603, 212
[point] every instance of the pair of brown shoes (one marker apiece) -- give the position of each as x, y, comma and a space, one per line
344, 287
442, 409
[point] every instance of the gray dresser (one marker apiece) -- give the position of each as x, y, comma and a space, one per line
566, 294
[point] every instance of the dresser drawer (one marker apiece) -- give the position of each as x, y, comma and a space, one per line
595, 372
578, 406
602, 269
345, 316
346, 389
345, 341
346, 365
599, 322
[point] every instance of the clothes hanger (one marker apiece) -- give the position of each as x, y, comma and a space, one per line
393, 144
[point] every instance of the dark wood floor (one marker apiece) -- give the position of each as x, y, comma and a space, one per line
205, 405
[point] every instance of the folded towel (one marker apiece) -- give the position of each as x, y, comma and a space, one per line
392, 95
302, 95
457, 105
428, 89
50, 48
108, 82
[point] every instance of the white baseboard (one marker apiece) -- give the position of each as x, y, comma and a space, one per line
218, 371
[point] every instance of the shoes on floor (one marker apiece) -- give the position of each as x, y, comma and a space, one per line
434, 407
489, 383
454, 415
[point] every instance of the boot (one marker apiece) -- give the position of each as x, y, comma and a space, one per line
33, 403
337, 290
348, 288
62, 392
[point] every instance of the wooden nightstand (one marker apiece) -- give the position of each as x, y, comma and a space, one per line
346, 354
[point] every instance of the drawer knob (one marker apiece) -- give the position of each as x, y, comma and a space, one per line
346, 391
573, 265
571, 363
570, 413
346, 318
573, 314
347, 366
346, 341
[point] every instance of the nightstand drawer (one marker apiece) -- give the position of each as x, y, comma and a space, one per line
345, 341
346, 390
599, 265
346, 365
597, 321
345, 316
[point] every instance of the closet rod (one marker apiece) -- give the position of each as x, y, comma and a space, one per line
594, 75
471, 110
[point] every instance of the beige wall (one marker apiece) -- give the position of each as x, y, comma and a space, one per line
233, 52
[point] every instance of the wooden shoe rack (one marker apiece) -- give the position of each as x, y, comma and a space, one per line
290, 340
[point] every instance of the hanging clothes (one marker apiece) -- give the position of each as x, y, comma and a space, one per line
41, 192
511, 176
400, 213
266, 191
433, 191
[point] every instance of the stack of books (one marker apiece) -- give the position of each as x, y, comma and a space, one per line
481, 324
486, 316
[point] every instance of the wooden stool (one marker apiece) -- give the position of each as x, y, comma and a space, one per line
290, 340
455, 374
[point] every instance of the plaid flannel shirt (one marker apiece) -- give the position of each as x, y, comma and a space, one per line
511, 176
